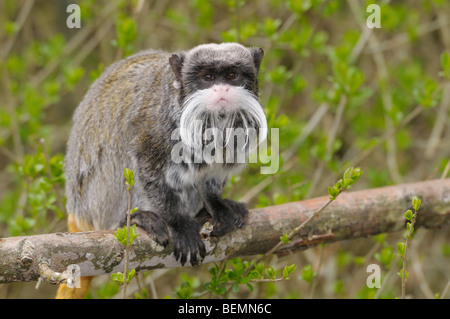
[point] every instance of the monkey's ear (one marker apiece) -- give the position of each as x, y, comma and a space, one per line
176, 62
257, 54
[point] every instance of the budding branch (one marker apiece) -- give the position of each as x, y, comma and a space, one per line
352, 215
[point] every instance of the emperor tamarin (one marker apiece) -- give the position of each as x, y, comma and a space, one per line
127, 120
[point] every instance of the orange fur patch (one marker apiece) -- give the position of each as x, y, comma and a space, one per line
76, 225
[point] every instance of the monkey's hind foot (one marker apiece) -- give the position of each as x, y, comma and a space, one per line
153, 224
228, 216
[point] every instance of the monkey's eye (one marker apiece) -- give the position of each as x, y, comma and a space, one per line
208, 77
232, 75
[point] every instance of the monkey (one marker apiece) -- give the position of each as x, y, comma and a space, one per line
127, 119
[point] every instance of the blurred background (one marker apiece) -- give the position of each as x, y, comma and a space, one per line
341, 93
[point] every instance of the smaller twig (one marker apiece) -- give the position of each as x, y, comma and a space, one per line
361, 156
238, 19
351, 175
405, 257
304, 243
294, 232
404, 253
21, 19
405, 38
139, 282
439, 124
297, 229
125, 237
268, 280
127, 247
315, 278
418, 271
444, 292
446, 170
151, 282
343, 102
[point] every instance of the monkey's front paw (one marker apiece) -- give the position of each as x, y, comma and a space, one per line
188, 243
153, 224
231, 215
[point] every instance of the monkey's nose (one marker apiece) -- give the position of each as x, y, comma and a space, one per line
220, 88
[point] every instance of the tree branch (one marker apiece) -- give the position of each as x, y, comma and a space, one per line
351, 215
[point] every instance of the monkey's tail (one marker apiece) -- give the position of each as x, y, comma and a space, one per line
64, 291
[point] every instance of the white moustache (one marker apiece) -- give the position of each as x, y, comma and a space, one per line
196, 116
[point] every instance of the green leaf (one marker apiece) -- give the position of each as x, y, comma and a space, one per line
230, 35
426, 94
270, 26
259, 270
351, 175
72, 75
416, 203
401, 249
331, 192
359, 261
288, 269
409, 215
445, 63
10, 27
126, 29
307, 274
129, 177
348, 173
385, 256
184, 291
299, 6
355, 80
270, 272
279, 75
298, 84
409, 230
133, 234
236, 288
131, 274
400, 274
285, 239
445, 250
117, 277
121, 235
334, 191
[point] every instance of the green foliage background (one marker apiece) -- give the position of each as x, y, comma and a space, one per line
333, 86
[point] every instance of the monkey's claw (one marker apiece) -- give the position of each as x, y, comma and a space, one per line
189, 244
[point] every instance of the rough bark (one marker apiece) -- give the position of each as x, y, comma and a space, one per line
354, 214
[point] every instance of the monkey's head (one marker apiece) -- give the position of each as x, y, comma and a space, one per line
219, 85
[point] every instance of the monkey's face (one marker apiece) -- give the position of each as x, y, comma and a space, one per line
219, 87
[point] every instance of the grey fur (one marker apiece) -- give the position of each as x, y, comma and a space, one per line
125, 121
